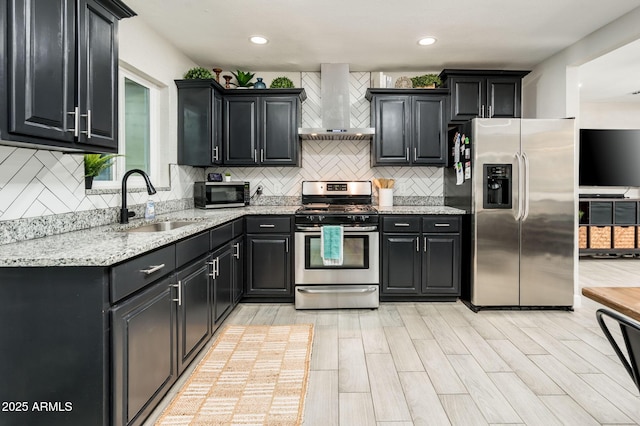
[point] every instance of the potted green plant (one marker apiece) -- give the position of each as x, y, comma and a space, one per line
243, 78
281, 83
198, 73
94, 164
426, 80
227, 177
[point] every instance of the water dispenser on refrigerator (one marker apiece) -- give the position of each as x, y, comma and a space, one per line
497, 186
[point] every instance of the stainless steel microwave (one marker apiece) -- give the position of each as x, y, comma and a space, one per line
217, 195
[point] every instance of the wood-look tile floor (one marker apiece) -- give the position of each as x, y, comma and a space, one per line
441, 364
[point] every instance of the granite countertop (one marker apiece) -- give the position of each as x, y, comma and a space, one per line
107, 245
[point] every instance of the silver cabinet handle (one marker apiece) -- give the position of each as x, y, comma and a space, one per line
415, 154
417, 243
255, 155
179, 287
406, 155
286, 242
336, 290
262, 155
425, 245
76, 122
267, 225
490, 112
88, 131
215, 154
215, 269
482, 111
152, 269
237, 253
401, 225
442, 225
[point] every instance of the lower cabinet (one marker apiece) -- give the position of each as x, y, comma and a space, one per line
144, 352
269, 256
420, 257
223, 267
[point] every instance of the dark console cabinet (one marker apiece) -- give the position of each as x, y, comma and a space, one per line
609, 226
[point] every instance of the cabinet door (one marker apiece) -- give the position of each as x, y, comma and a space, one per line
401, 263
441, 264
222, 282
238, 269
269, 265
429, 130
143, 351
217, 129
392, 138
98, 78
42, 63
279, 130
503, 97
194, 310
196, 127
241, 131
467, 97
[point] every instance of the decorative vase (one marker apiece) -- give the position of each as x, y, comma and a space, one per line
227, 178
259, 84
227, 80
88, 182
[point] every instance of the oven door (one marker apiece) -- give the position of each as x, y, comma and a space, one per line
360, 257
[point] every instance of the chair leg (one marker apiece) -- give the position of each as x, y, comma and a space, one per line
599, 314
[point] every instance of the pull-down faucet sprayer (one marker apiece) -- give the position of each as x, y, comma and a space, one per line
125, 214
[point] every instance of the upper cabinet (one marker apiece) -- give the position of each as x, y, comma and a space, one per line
61, 74
411, 126
255, 127
262, 129
484, 93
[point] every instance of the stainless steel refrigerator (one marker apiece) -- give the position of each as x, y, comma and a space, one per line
521, 192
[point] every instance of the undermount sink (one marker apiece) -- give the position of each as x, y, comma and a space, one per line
160, 226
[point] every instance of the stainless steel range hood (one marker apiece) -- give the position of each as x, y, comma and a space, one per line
336, 108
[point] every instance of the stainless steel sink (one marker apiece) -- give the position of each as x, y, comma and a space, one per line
160, 226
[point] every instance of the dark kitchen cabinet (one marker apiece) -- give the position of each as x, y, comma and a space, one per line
144, 350
269, 256
484, 93
410, 126
261, 128
199, 122
223, 267
420, 257
61, 79
238, 269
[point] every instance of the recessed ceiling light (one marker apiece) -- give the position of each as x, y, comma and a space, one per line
426, 41
258, 40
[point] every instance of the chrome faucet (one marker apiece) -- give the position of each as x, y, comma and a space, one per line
124, 213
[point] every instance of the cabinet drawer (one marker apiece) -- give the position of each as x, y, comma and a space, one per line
401, 224
221, 234
601, 213
132, 275
624, 213
441, 224
268, 224
189, 249
238, 227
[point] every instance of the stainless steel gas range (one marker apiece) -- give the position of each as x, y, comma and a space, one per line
353, 281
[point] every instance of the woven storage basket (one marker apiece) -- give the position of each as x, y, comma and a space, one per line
599, 237
582, 237
624, 237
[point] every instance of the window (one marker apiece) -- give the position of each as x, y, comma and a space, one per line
137, 111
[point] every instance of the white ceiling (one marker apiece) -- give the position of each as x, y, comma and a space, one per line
376, 35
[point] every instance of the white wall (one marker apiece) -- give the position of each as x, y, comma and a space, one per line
610, 115
551, 89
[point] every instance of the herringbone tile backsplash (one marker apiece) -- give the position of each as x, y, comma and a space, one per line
37, 183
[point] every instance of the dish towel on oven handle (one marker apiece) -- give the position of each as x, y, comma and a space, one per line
331, 242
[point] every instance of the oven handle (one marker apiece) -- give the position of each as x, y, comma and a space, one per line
335, 290
345, 229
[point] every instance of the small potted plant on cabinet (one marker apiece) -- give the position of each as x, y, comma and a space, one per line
429, 81
94, 164
281, 83
243, 78
198, 73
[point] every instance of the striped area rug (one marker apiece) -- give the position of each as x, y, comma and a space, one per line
252, 375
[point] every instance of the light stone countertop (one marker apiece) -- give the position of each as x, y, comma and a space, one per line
107, 245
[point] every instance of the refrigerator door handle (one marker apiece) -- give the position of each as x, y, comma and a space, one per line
519, 215
525, 160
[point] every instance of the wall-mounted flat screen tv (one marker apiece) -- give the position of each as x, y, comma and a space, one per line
609, 157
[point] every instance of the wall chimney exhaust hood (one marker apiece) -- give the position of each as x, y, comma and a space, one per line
336, 108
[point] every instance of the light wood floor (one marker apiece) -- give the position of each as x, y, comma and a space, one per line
441, 364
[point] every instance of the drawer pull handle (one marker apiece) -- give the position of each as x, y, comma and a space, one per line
179, 287
152, 269
267, 225
237, 253
442, 225
403, 225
